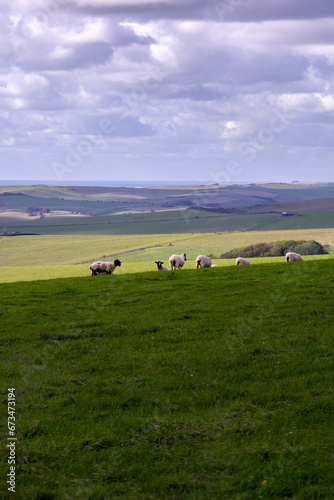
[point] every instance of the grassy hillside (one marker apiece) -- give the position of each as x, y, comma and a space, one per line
313, 220
22, 202
60, 250
103, 200
27, 258
323, 205
173, 209
52, 250
176, 221
140, 262
207, 384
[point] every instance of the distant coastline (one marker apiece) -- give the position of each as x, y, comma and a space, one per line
140, 184
128, 184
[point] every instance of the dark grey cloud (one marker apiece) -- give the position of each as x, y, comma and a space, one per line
51, 58
214, 10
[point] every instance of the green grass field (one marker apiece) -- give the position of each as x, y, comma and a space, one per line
195, 384
168, 222
200, 384
26, 258
130, 265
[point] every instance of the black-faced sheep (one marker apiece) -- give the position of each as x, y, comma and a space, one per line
291, 256
160, 266
203, 261
240, 261
177, 261
101, 267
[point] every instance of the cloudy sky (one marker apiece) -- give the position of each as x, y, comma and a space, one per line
202, 90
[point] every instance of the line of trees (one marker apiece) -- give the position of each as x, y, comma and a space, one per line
37, 210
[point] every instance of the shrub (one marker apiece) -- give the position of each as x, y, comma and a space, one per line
310, 248
277, 249
302, 247
258, 250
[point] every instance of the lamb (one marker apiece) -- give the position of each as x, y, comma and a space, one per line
203, 261
291, 256
160, 266
101, 267
177, 261
240, 260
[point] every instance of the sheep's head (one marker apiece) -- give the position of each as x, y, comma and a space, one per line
185, 257
117, 262
159, 263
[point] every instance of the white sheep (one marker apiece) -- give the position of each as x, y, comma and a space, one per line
203, 261
160, 266
291, 256
177, 261
101, 267
240, 260
214, 265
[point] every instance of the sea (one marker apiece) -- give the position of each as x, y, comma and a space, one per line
139, 183
97, 183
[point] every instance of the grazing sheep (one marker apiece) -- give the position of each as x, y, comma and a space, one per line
101, 267
203, 261
177, 261
291, 256
214, 265
240, 260
160, 266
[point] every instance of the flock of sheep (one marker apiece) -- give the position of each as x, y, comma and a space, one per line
177, 262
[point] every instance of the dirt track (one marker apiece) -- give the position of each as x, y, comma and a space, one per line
118, 254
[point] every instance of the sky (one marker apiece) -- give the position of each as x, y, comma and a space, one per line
216, 91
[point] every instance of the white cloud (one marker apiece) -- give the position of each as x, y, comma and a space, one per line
93, 30
59, 52
22, 85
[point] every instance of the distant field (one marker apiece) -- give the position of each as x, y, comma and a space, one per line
42, 257
168, 210
60, 203
322, 205
13, 216
169, 222
59, 250
130, 264
99, 201
313, 220
39, 250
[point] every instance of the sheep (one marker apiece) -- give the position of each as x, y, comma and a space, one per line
240, 260
101, 267
160, 266
177, 261
291, 256
203, 261
214, 265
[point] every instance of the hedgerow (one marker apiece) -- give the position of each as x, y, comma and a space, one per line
276, 249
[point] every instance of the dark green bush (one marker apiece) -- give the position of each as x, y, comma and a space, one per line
302, 247
310, 248
277, 249
258, 250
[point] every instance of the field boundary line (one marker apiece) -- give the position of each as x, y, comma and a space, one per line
119, 254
